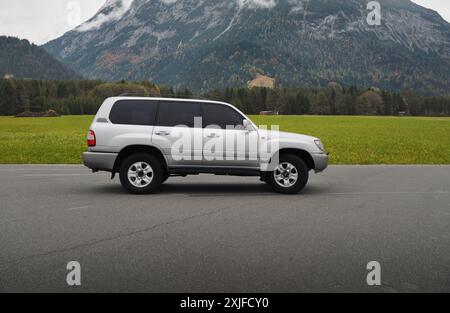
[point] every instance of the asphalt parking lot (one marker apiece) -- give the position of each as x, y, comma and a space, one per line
226, 234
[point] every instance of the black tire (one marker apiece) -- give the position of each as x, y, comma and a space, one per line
165, 178
156, 177
303, 175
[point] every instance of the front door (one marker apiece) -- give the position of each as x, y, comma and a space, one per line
226, 142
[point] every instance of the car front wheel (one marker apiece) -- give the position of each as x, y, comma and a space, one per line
290, 175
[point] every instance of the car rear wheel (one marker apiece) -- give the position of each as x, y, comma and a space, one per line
290, 175
165, 178
141, 173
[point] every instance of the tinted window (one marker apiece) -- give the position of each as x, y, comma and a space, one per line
133, 112
221, 115
175, 113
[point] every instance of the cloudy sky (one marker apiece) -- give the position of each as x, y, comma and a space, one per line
42, 20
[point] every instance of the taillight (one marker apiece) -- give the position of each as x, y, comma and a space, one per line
91, 139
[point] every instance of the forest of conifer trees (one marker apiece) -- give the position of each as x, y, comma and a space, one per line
85, 96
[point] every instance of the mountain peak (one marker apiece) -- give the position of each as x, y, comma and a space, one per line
204, 44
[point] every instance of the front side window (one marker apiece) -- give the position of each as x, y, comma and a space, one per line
134, 112
221, 115
176, 113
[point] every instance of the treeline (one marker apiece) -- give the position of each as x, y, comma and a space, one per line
65, 97
333, 100
85, 97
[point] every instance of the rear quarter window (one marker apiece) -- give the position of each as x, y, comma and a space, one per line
134, 112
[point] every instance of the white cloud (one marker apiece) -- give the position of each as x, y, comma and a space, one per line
115, 14
253, 4
257, 4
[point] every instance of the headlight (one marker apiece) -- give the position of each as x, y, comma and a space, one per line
319, 145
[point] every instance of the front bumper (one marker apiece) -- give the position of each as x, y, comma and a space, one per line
98, 161
320, 162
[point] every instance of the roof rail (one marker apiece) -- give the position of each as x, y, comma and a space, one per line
174, 96
131, 95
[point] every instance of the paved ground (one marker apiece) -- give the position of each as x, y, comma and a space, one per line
226, 234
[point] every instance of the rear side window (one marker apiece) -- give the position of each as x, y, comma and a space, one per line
221, 115
134, 112
175, 113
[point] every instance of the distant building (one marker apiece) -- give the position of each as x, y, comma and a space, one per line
269, 113
262, 81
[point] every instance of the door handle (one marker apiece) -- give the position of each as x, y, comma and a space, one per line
213, 135
162, 133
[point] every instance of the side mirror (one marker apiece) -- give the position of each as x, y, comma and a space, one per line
248, 126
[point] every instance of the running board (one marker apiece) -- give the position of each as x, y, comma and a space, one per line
214, 170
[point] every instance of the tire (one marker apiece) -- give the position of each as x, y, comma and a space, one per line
286, 173
165, 178
141, 173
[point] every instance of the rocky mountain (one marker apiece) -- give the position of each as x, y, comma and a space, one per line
205, 44
20, 59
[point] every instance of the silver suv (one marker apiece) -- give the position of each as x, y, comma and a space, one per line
147, 140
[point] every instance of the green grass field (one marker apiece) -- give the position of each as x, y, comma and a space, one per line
350, 140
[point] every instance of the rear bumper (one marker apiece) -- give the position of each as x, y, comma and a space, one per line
99, 161
320, 162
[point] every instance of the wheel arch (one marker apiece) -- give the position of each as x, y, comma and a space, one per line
132, 149
304, 155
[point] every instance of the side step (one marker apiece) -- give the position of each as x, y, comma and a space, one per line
183, 171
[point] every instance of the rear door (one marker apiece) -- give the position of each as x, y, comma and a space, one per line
174, 132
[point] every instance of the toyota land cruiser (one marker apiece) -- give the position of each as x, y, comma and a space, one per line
147, 140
